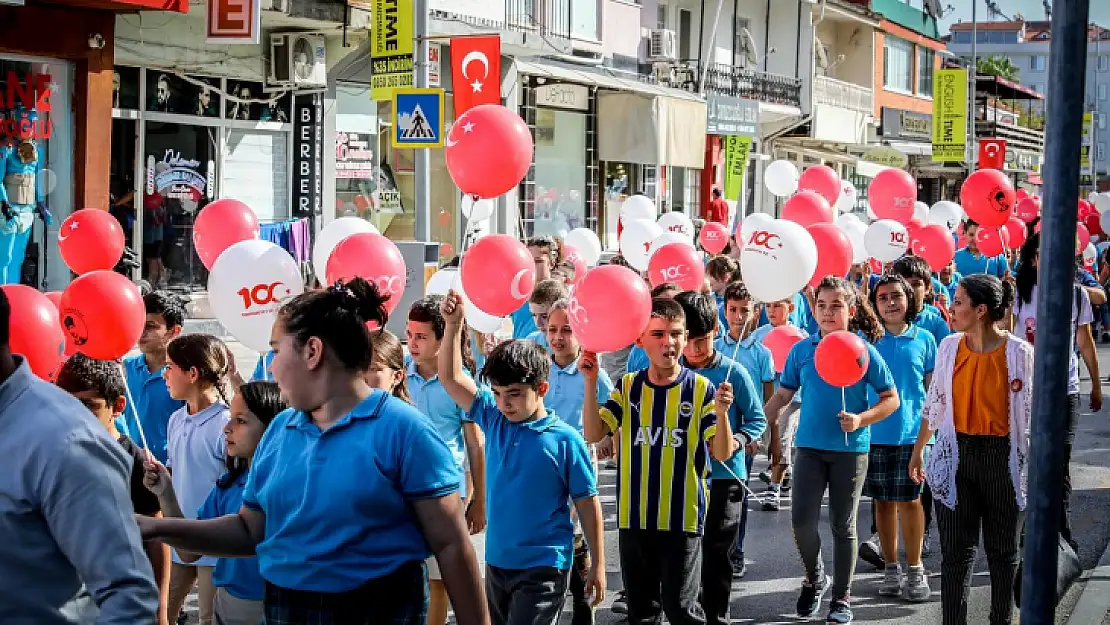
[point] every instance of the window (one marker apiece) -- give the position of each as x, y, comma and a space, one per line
1038, 87
1102, 93
742, 44
925, 71
898, 64
1103, 63
1100, 154
961, 36
1037, 63
661, 16
1101, 121
584, 20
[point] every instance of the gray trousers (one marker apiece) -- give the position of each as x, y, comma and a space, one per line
228, 610
843, 473
525, 596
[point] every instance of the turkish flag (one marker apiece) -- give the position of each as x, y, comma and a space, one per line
992, 154
476, 71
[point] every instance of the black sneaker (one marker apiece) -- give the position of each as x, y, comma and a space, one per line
772, 500
786, 484
765, 477
812, 593
620, 604
739, 566
840, 611
869, 552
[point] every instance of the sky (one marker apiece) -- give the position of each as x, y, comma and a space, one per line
1031, 9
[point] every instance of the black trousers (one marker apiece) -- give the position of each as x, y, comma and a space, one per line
525, 596
984, 501
583, 612
722, 524
1069, 441
662, 575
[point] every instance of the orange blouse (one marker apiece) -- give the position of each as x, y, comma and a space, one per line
981, 392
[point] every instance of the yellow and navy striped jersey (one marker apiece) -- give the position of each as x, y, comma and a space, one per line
664, 453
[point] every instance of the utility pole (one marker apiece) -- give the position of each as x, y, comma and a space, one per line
1067, 61
422, 230
972, 153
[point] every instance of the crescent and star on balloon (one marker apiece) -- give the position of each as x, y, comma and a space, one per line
472, 56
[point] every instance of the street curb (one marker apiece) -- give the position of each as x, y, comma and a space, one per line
1094, 602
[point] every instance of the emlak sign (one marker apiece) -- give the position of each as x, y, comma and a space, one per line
233, 21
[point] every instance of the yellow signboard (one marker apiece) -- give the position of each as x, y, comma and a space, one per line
737, 149
950, 115
391, 48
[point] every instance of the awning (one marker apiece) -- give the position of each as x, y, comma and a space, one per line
912, 148
600, 77
128, 6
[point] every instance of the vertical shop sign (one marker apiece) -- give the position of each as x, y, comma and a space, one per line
308, 164
1086, 171
233, 21
434, 68
737, 149
391, 48
950, 123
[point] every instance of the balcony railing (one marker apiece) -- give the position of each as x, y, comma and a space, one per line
846, 95
741, 82
550, 19
1016, 136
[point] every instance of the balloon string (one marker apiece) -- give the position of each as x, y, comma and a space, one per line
844, 408
131, 406
736, 348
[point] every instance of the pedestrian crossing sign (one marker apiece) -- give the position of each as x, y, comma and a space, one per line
417, 118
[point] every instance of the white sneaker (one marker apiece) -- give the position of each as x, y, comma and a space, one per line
893, 581
917, 585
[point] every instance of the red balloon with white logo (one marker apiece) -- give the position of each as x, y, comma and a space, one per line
574, 257
934, 244
220, 225
609, 309
498, 274
372, 257
988, 197
780, 340
806, 208
678, 263
1016, 230
488, 151
1027, 209
102, 312
90, 240
841, 358
713, 237
892, 195
38, 336
1084, 237
823, 180
992, 241
834, 252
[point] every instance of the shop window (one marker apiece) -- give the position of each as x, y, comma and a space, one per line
248, 102
170, 93
255, 171
125, 88
560, 173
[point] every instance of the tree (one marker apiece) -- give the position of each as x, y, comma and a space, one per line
999, 66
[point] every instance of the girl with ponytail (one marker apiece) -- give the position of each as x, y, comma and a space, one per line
349, 489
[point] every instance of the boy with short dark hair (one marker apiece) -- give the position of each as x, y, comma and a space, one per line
742, 314
529, 536
165, 315
99, 385
666, 416
546, 293
918, 275
726, 519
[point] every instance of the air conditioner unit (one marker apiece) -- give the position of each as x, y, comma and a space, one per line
298, 60
664, 44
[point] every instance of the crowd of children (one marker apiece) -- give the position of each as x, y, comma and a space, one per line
348, 474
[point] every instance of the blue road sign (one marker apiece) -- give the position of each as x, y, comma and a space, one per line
417, 118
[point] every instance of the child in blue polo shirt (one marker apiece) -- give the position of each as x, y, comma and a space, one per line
725, 522
970, 260
741, 313
240, 588
165, 314
915, 271
832, 444
949, 278
530, 537
546, 253
910, 352
721, 271
544, 295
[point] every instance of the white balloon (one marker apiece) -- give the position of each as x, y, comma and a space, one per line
442, 281
638, 207
476, 210
248, 284
886, 240
1104, 221
856, 232
1090, 253
781, 178
848, 197
754, 222
666, 239
636, 241
921, 212
947, 214
675, 221
1102, 202
777, 261
478, 319
586, 242
847, 218
330, 237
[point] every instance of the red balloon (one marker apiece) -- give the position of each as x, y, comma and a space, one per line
574, 257
892, 195
1094, 224
822, 180
1086, 208
841, 358
220, 225
37, 334
498, 274
988, 197
600, 325
102, 312
876, 265
834, 252
1021, 194
55, 298
992, 241
1028, 209
713, 237
90, 240
372, 257
806, 208
678, 263
488, 151
934, 244
1015, 229
1084, 237
780, 340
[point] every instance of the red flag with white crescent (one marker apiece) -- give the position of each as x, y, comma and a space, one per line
475, 71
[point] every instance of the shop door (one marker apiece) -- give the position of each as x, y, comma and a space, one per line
179, 174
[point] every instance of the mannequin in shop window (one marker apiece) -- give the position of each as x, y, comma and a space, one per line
21, 198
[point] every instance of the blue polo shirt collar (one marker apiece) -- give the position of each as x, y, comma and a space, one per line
570, 369
747, 343
366, 409
909, 334
141, 367
16, 384
412, 372
542, 424
714, 362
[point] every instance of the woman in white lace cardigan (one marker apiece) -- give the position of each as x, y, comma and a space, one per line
978, 406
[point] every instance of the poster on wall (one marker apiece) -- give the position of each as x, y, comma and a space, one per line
391, 48
169, 93
950, 116
354, 155
245, 106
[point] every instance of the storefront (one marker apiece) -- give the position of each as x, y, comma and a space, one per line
55, 64
732, 126
911, 134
